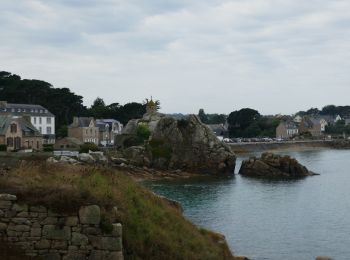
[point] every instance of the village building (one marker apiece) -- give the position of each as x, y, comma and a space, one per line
297, 119
42, 119
287, 130
68, 144
315, 126
108, 130
220, 130
84, 129
18, 133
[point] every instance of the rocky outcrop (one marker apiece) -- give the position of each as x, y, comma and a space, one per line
44, 234
188, 145
274, 166
340, 144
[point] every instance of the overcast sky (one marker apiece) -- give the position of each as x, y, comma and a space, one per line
277, 56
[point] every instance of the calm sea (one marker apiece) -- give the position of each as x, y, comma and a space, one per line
275, 220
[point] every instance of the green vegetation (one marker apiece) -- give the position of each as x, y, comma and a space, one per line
248, 122
332, 110
143, 132
152, 229
48, 147
160, 149
63, 103
3, 147
86, 147
338, 129
211, 118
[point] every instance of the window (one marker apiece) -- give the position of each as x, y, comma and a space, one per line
10, 142
13, 128
39, 120
40, 130
48, 120
34, 120
48, 130
19, 110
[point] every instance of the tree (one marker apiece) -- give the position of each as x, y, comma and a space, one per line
99, 109
63, 103
202, 116
242, 118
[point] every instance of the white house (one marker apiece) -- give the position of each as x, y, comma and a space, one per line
108, 130
42, 119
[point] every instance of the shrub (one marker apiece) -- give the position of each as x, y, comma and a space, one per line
132, 141
47, 147
85, 148
3, 147
143, 132
160, 149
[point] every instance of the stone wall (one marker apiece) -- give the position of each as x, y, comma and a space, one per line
54, 236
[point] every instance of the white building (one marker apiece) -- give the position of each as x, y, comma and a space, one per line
108, 130
40, 117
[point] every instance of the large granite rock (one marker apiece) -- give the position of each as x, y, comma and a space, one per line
188, 145
274, 166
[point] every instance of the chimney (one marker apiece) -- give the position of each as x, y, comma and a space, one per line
75, 121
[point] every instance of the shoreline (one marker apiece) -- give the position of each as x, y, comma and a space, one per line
241, 148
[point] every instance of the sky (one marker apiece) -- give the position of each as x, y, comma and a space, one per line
276, 56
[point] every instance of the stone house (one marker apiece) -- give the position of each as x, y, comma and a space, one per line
18, 133
108, 130
42, 119
84, 129
315, 126
286, 130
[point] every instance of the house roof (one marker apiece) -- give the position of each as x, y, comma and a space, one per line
289, 125
24, 109
218, 128
81, 122
25, 125
101, 123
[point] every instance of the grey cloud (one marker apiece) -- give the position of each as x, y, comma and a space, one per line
220, 55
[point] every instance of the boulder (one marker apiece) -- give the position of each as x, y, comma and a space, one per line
51, 160
273, 166
185, 144
98, 156
86, 158
66, 159
118, 160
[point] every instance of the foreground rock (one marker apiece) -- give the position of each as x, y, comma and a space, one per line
187, 145
274, 166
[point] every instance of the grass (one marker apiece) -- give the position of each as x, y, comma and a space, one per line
152, 229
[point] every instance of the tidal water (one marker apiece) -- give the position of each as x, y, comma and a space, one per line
275, 220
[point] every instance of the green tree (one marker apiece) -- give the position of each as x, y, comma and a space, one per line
202, 116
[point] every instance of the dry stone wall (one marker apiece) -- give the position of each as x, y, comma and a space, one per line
54, 236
